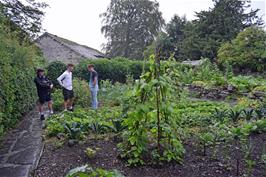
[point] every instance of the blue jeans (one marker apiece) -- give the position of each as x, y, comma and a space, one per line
94, 101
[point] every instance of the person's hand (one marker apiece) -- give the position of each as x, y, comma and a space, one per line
51, 86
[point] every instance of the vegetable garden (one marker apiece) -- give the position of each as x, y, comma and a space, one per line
175, 120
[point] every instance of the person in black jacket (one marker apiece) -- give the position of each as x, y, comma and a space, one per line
44, 86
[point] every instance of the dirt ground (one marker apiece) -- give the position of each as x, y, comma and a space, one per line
56, 162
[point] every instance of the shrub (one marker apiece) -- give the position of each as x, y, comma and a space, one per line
54, 70
58, 98
17, 89
206, 72
82, 93
246, 51
115, 70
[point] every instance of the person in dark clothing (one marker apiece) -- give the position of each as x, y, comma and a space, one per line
44, 86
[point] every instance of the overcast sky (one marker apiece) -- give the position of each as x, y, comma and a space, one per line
78, 20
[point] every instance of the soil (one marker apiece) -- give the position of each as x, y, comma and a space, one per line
56, 162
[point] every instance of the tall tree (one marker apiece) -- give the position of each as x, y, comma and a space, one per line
191, 45
176, 33
24, 16
130, 26
222, 23
165, 45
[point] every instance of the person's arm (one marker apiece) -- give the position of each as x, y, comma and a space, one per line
40, 83
94, 76
94, 82
60, 79
50, 83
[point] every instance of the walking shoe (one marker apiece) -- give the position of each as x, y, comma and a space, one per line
70, 109
42, 117
51, 112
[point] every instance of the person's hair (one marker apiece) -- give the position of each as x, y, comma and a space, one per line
90, 66
70, 65
39, 71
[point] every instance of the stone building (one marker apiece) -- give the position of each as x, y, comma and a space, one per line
55, 48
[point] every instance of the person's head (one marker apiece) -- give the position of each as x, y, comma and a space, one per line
90, 67
70, 67
40, 72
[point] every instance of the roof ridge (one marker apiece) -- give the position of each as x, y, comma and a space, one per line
67, 40
55, 37
82, 50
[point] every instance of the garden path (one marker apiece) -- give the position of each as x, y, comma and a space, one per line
21, 148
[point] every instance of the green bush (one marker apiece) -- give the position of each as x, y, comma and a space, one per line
116, 70
17, 71
82, 93
246, 51
58, 99
207, 72
54, 70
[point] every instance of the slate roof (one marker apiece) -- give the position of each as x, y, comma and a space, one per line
193, 62
83, 50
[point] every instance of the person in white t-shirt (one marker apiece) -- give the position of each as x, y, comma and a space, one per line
65, 80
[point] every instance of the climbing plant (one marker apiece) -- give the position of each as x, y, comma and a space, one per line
151, 125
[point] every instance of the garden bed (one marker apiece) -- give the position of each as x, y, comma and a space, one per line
58, 161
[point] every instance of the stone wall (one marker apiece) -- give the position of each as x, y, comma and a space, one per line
55, 51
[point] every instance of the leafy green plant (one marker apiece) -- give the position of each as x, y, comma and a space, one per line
248, 113
221, 115
57, 100
149, 118
82, 93
234, 115
117, 125
206, 139
90, 152
74, 130
260, 112
246, 83
263, 158
86, 171
98, 127
261, 88
54, 126
80, 122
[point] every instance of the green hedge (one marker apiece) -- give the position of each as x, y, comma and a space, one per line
114, 70
17, 71
54, 70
